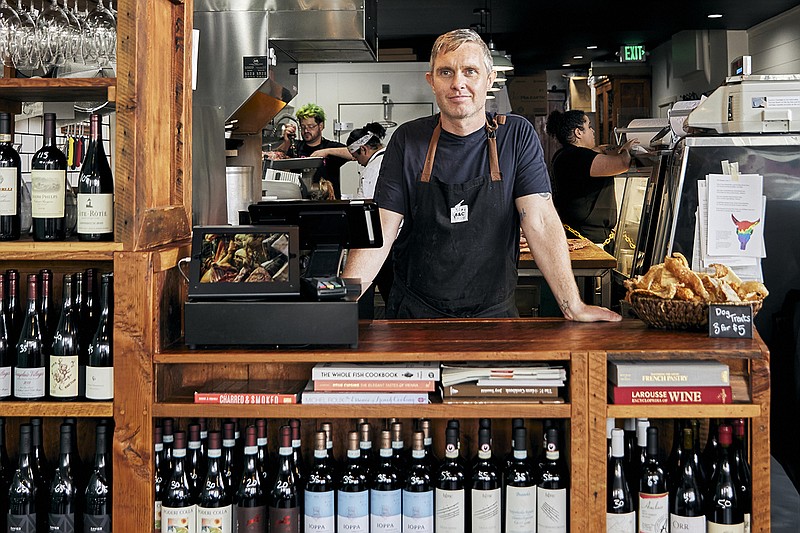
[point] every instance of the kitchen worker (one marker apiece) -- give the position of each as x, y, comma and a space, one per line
462, 182
311, 118
583, 177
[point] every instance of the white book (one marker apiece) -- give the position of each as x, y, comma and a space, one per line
427, 370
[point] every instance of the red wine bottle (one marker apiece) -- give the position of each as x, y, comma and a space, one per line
47, 312
100, 364
520, 486
22, 512
90, 305
385, 494
262, 458
743, 472
686, 501
195, 462
63, 516
41, 468
319, 494
160, 477
365, 446
168, 439
14, 314
11, 185
297, 452
672, 466
450, 480
418, 489
65, 347
352, 493
251, 500
7, 351
639, 455
430, 456
327, 427
30, 372
97, 496
230, 459
709, 456
95, 189
5, 464
398, 445
285, 495
620, 507
215, 509
723, 505
486, 491
551, 491
653, 494
48, 187
179, 509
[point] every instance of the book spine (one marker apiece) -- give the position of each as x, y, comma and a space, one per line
387, 385
244, 398
364, 398
711, 375
670, 395
471, 390
411, 373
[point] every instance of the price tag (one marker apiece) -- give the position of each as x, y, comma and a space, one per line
734, 321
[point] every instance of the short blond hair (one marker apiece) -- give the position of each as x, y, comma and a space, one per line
452, 40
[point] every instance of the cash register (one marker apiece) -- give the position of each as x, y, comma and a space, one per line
275, 281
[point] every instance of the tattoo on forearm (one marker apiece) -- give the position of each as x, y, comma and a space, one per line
564, 306
545, 195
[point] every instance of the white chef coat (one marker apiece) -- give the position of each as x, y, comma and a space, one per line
369, 174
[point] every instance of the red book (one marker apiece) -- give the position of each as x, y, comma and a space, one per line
375, 385
244, 398
669, 395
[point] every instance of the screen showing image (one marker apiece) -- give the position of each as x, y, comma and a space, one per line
244, 258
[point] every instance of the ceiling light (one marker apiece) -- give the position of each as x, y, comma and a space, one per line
577, 57
501, 62
592, 47
566, 65
501, 77
494, 88
489, 96
715, 16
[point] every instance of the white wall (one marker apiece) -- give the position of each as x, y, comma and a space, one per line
775, 44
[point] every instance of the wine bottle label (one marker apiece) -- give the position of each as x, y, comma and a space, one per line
653, 512
687, 524
8, 191
29, 382
215, 519
319, 512
100, 382
48, 192
486, 516
22, 523
95, 213
64, 376
622, 523
746, 522
251, 519
520, 509
101, 523
451, 513
179, 519
61, 523
284, 520
713, 527
386, 510
418, 511
5, 381
157, 517
353, 511
551, 510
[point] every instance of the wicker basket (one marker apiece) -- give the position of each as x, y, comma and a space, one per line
677, 314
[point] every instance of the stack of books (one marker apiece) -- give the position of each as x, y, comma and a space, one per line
485, 383
669, 382
372, 383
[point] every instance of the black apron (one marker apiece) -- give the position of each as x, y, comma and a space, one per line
456, 263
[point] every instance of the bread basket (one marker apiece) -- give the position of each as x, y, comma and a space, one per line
677, 314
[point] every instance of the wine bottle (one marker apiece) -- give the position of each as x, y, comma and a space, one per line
11, 185
48, 316
285, 493
297, 452
215, 508
673, 464
610, 424
319, 495
430, 456
327, 427
6, 351
744, 475
686, 502
629, 427
30, 372
262, 457
64, 352
251, 500
97, 496
100, 363
160, 476
63, 516
168, 438
365, 445
653, 494
509, 458
84, 337
709, 456
386, 499
5, 463
230, 462
520, 487
195, 462
723, 508
13, 307
620, 510
40, 464
95, 189
179, 510
551, 490
486, 516
418, 490
700, 473
80, 473
450, 481
639, 454
22, 498
398, 445
90, 312
48, 187
352, 493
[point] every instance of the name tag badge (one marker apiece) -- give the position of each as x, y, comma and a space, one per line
459, 213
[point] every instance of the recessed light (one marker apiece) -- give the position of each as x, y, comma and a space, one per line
715, 16
592, 47
566, 65
577, 57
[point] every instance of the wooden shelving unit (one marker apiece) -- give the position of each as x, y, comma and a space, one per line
58, 409
29, 250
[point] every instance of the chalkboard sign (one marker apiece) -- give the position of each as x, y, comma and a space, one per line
730, 321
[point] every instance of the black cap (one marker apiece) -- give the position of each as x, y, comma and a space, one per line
520, 436
5, 123
652, 441
484, 436
25, 438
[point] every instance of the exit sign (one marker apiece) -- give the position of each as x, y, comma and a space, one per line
631, 53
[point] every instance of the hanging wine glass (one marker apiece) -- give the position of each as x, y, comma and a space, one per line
25, 52
10, 30
74, 46
102, 28
52, 35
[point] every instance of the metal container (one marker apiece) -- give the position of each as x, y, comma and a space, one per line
240, 191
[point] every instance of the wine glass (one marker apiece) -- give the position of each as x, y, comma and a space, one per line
10, 29
25, 52
52, 35
101, 30
73, 49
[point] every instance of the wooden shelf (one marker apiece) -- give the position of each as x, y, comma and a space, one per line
29, 250
434, 410
57, 89
57, 409
742, 410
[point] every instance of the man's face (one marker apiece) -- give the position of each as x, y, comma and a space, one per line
460, 80
311, 131
361, 156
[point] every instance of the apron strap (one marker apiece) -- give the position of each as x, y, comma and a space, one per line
428, 168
